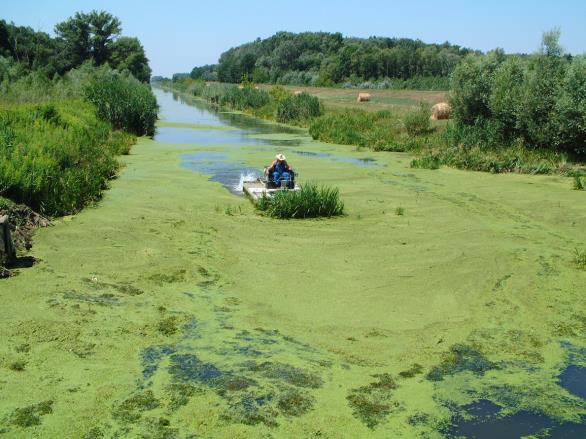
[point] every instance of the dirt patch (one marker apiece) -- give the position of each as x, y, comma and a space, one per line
23, 223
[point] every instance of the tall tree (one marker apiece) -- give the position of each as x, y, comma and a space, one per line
128, 54
88, 36
104, 27
74, 34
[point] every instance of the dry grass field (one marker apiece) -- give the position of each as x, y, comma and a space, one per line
341, 98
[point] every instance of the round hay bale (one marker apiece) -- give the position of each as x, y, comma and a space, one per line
441, 111
363, 97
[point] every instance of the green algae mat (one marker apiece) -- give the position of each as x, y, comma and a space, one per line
173, 310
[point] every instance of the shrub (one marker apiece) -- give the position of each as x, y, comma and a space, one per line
279, 94
379, 131
124, 101
537, 100
244, 98
580, 259
56, 157
310, 201
418, 121
578, 185
426, 162
302, 107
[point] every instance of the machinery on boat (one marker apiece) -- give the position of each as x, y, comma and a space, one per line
265, 186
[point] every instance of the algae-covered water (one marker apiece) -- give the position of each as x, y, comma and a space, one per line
173, 310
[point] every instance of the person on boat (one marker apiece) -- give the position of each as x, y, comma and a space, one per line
280, 170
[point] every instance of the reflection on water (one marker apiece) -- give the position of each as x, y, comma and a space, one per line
176, 108
173, 108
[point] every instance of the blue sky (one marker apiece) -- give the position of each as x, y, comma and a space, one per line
179, 34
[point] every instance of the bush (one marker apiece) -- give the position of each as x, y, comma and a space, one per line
537, 100
418, 121
379, 131
302, 107
580, 258
244, 98
570, 110
124, 101
426, 162
56, 157
310, 201
279, 94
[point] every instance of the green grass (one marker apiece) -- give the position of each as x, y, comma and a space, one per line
418, 121
381, 130
310, 201
59, 138
580, 259
123, 101
578, 184
57, 157
31, 415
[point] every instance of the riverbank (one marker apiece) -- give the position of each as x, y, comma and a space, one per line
400, 127
174, 309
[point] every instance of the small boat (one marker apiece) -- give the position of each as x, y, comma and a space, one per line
264, 187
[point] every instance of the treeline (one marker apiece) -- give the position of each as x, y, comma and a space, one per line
65, 119
325, 59
93, 36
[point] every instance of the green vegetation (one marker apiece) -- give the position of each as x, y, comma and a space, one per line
535, 102
403, 305
320, 58
130, 410
515, 158
17, 366
31, 415
60, 135
302, 107
310, 201
84, 37
511, 113
124, 102
295, 402
168, 326
460, 358
57, 157
578, 183
277, 104
414, 370
356, 128
433, 144
419, 121
580, 258
372, 403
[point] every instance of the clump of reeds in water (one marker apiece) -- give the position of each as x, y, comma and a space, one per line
580, 258
311, 201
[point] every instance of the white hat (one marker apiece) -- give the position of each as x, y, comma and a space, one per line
280, 157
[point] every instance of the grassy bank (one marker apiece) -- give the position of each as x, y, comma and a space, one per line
59, 139
57, 157
404, 127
